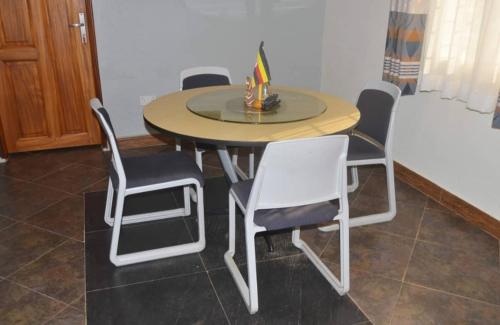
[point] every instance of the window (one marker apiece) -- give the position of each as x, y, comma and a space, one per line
462, 56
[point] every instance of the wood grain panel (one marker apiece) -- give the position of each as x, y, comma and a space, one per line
67, 69
19, 54
46, 77
15, 23
25, 80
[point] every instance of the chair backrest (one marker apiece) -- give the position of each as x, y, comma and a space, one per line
116, 171
377, 103
301, 172
204, 77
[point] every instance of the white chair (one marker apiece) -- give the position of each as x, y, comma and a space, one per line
292, 190
371, 144
133, 175
205, 77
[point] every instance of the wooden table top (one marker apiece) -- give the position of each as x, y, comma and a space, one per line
169, 114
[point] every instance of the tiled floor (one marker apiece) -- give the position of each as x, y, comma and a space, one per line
428, 266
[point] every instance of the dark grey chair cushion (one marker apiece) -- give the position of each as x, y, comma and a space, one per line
204, 80
275, 219
375, 107
360, 149
160, 168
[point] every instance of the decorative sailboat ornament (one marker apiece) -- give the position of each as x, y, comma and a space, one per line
259, 85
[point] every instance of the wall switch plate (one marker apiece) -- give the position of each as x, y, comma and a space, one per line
144, 100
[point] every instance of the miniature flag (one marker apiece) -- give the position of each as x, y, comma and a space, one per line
261, 70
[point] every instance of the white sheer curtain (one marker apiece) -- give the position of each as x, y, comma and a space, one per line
462, 56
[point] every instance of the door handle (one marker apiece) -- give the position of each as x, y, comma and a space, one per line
82, 26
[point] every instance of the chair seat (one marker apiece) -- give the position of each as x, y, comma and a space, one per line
158, 168
275, 219
361, 149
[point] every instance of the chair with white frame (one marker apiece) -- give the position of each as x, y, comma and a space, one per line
134, 175
205, 77
291, 190
371, 144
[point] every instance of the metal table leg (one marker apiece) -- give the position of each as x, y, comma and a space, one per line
227, 164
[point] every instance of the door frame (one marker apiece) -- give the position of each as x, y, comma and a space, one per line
4, 153
93, 47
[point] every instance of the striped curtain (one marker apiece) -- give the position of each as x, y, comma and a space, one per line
496, 115
403, 49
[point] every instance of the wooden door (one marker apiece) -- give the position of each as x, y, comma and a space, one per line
46, 76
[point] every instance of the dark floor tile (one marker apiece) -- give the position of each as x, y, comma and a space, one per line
19, 199
95, 203
30, 167
364, 173
79, 303
21, 244
96, 158
445, 268
5, 222
100, 186
378, 169
65, 217
372, 251
291, 291
22, 306
316, 239
405, 223
216, 232
211, 172
423, 306
182, 300
376, 296
376, 186
216, 191
447, 228
432, 204
73, 178
101, 273
69, 316
58, 274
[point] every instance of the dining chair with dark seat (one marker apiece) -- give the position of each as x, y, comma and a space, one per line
371, 144
154, 172
207, 76
291, 190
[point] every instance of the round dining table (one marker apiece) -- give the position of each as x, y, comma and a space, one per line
217, 116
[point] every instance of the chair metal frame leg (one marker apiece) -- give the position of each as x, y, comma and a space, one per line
158, 253
355, 180
342, 285
391, 195
188, 190
251, 165
250, 292
143, 217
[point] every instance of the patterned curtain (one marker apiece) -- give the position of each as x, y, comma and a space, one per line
496, 115
403, 49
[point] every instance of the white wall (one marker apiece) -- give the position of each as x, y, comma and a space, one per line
143, 46
439, 139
